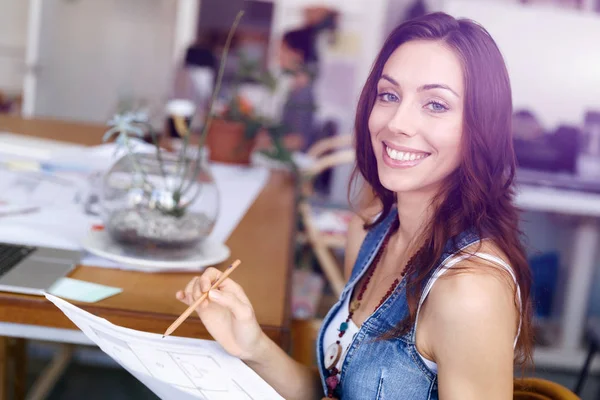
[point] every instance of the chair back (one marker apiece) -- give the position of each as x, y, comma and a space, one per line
540, 389
326, 154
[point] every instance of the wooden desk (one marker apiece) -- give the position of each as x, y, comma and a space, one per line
263, 241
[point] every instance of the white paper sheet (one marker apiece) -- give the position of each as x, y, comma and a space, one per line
238, 188
32, 147
173, 368
44, 206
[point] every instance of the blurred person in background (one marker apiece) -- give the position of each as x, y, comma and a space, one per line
437, 303
298, 57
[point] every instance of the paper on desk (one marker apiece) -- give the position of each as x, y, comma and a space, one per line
87, 292
43, 208
54, 227
28, 190
32, 147
238, 188
173, 368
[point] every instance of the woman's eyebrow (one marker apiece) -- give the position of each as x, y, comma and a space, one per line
429, 86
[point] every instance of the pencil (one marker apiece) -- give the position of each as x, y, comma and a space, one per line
197, 303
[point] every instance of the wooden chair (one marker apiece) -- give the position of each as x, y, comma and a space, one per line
304, 340
593, 335
541, 389
327, 153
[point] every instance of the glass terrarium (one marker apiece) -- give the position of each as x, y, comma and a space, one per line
159, 200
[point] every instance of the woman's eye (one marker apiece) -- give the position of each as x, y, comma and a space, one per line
436, 106
387, 97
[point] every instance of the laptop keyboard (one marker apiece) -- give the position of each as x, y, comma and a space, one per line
11, 255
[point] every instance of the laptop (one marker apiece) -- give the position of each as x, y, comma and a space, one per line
33, 270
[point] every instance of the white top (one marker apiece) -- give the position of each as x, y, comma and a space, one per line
331, 331
332, 334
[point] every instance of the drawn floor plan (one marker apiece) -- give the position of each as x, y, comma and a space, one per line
173, 368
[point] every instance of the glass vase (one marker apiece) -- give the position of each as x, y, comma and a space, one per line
152, 200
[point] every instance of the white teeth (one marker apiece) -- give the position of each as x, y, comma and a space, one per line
403, 155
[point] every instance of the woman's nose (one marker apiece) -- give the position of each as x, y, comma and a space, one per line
404, 120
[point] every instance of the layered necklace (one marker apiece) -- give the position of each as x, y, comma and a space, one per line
335, 351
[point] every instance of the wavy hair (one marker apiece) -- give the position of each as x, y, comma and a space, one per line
479, 194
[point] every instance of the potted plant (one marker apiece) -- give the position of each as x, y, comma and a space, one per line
233, 132
237, 123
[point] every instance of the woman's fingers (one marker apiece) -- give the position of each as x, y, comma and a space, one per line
240, 310
207, 279
189, 291
202, 284
211, 275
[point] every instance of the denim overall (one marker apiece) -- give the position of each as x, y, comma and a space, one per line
384, 369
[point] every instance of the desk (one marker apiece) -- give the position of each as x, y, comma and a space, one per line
585, 207
263, 240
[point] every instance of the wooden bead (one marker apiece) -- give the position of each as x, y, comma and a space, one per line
332, 355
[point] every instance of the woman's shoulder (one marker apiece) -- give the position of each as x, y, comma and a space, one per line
479, 284
357, 233
472, 319
485, 258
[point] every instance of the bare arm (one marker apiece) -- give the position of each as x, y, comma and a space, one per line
356, 235
469, 325
356, 231
289, 378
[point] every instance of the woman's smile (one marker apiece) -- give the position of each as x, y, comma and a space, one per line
402, 157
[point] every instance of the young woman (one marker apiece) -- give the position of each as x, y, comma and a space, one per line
438, 299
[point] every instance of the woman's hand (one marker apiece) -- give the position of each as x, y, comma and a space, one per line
229, 318
227, 314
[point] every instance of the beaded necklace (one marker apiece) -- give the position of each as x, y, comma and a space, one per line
334, 351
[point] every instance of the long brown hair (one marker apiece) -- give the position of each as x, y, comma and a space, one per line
478, 194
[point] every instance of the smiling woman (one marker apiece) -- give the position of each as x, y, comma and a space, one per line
437, 304
433, 144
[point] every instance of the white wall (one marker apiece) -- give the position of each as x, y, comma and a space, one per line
13, 38
94, 52
553, 55
395, 14
186, 27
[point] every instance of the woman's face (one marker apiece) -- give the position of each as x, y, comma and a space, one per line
417, 121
